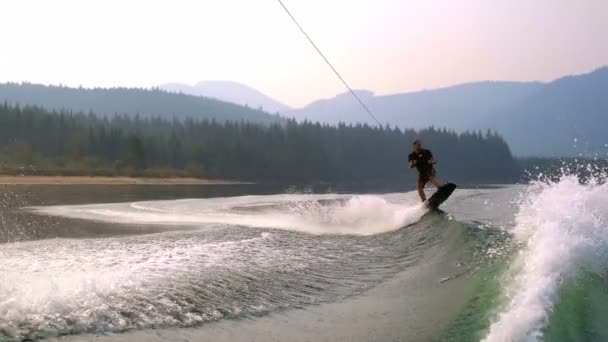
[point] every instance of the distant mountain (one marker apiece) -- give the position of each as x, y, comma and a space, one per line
234, 92
537, 119
342, 108
566, 117
131, 101
458, 107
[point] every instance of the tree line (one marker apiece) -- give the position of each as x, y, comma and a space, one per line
35, 140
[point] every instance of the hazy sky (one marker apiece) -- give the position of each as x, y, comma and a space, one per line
384, 45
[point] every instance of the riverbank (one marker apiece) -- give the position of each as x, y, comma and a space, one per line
104, 180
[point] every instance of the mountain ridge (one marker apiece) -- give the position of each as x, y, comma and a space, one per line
229, 91
131, 101
567, 110
563, 117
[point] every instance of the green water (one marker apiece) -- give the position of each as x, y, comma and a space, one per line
582, 311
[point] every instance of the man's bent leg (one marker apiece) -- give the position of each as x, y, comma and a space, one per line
420, 183
436, 183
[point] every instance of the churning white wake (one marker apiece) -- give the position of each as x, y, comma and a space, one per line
563, 227
316, 214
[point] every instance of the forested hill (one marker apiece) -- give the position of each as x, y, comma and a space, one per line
131, 101
37, 141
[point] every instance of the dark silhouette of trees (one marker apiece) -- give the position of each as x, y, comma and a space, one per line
37, 140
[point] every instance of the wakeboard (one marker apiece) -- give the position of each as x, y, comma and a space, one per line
441, 195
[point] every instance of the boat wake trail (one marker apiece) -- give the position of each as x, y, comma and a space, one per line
304, 250
316, 214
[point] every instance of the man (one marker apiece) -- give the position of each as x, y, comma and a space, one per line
423, 161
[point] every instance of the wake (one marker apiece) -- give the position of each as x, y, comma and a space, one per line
563, 229
314, 214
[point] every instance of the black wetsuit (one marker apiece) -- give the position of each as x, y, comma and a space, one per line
425, 169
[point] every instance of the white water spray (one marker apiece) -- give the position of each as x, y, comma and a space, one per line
563, 227
315, 214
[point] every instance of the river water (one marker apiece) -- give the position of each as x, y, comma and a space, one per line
263, 263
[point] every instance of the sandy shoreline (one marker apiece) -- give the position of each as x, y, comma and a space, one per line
91, 180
